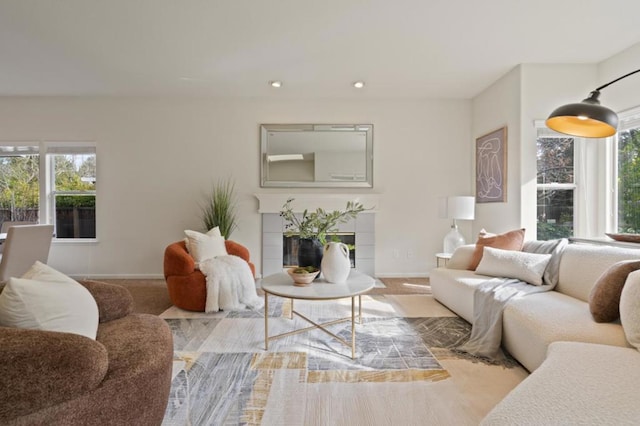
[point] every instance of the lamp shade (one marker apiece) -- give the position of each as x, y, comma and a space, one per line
462, 208
586, 119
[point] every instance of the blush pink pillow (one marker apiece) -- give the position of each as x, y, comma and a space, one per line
512, 240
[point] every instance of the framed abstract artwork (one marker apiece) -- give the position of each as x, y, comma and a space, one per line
491, 167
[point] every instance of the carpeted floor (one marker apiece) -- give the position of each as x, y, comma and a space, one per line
149, 296
404, 372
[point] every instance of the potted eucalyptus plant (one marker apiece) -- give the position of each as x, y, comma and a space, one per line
312, 228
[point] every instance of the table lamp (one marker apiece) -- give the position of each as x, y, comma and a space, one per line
457, 208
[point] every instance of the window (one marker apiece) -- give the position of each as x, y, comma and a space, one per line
555, 185
628, 173
19, 183
50, 183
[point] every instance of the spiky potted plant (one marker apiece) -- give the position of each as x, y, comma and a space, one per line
220, 208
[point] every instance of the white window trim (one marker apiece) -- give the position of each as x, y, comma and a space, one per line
578, 151
45, 176
566, 186
628, 119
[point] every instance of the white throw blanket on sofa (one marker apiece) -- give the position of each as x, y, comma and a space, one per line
490, 298
230, 284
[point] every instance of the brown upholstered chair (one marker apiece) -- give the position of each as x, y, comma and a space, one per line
187, 285
121, 378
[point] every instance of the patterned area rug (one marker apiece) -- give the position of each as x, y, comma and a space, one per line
223, 375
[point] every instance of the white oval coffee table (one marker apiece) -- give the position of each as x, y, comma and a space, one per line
281, 285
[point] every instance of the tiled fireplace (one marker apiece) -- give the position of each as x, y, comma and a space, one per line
363, 227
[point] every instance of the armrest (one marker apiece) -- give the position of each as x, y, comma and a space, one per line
177, 261
44, 368
237, 249
114, 301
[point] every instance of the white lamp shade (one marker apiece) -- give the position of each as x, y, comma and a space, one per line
462, 208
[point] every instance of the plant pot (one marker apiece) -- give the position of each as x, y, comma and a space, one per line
309, 252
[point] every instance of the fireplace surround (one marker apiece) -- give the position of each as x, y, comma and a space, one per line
363, 226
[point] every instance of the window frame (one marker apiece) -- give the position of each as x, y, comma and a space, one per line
542, 131
628, 119
46, 151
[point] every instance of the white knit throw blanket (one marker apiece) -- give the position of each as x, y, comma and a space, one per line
230, 284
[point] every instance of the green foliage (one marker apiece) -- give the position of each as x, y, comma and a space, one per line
220, 209
75, 201
67, 178
319, 223
629, 181
555, 164
552, 231
19, 182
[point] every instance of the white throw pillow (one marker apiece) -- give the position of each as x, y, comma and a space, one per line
45, 299
630, 308
527, 267
204, 246
213, 232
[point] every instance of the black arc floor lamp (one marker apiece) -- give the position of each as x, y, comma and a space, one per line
588, 118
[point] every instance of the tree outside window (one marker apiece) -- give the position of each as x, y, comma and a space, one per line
19, 188
556, 185
74, 195
629, 181
70, 189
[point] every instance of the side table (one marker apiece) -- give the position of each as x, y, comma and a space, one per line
442, 258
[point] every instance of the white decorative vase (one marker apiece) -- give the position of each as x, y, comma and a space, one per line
335, 263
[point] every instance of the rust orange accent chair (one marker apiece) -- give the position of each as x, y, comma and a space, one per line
187, 285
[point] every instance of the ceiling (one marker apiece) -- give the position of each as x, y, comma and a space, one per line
232, 48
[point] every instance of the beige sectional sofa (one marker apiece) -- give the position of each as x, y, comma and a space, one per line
583, 371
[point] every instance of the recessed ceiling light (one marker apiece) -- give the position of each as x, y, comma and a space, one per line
275, 83
358, 84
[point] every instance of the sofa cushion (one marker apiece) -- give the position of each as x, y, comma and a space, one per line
630, 309
533, 322
604, 299
527, 267
454, 288
578, 384
114, 301
582, 264
46, 299
511, 240
203, 246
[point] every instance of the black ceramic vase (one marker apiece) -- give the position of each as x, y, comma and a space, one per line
309, 252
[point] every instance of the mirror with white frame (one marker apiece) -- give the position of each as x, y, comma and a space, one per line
316, 155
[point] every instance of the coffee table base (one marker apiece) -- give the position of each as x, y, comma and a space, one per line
315, 325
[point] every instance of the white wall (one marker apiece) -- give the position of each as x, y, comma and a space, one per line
157, 159
495, 107
624, 94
